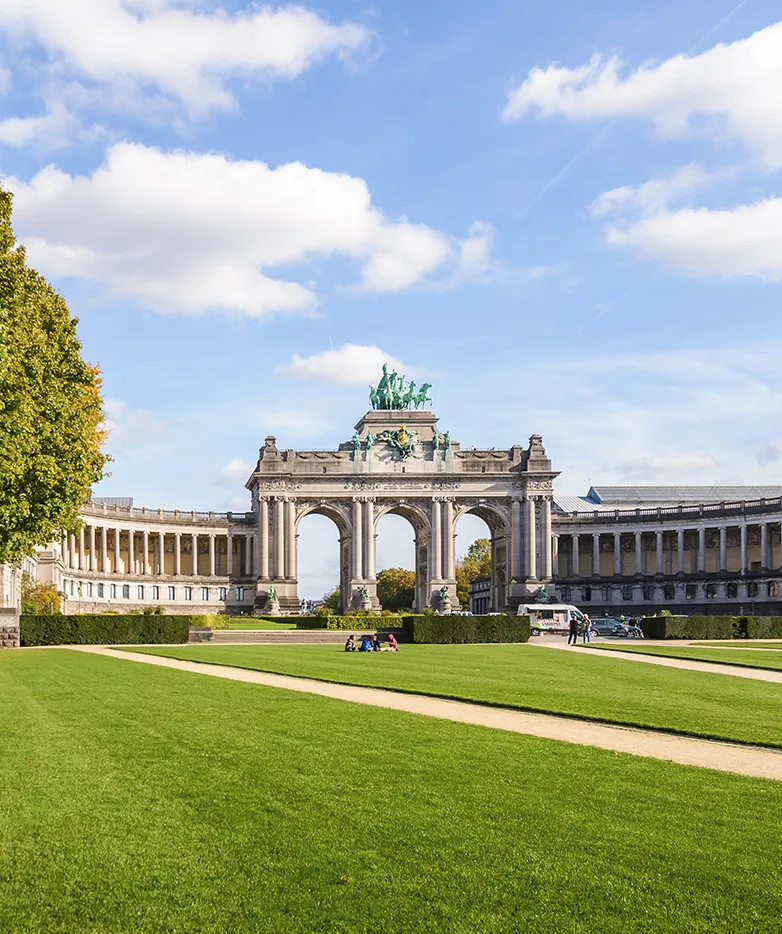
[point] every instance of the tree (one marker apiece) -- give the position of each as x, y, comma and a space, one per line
396, 589
331, 600
39, 597
51, 415
476, 563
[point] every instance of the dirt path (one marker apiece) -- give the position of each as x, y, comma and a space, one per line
664, 661
725, 757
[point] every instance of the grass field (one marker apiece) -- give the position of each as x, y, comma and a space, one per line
740, 644
138, 800
244, 624
742, 657
533, 678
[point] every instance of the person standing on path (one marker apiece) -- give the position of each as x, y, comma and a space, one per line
586, 632
572, 637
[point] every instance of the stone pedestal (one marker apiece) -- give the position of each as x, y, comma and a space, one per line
9, 628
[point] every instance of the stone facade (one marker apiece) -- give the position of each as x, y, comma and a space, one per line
9, 628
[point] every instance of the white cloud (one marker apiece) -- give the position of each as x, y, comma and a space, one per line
730, 91
299, 423
236, 469
656, 194
50, 130
745, 240
666, 467
187, 233
352, 364
770, 453
128, 426
185, 54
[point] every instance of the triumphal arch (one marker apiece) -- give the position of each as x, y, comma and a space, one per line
398, 461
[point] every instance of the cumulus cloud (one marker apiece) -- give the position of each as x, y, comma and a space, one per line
236, 469
770, 453
50, 130
656, 194
677, 466
127, 426
352, 364
186, 233
730, 91
184, 54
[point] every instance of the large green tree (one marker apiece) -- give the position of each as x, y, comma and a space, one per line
476, 563
396, 589
51, 417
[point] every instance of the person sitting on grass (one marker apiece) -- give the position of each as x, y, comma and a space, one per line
376, 646
392, 644
350, 645
366, 644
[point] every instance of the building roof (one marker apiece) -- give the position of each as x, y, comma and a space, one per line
579, 504
617, 496
112, 500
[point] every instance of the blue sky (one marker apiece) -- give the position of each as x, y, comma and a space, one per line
565, 216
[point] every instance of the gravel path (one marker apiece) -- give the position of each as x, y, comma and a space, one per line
725, 757
664, 661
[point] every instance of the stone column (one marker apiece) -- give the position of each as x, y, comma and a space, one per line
764, 562
104, 549
618, 554
230, 554
576, 557
449, 568
117, 552
357, 539
64, 549
680, 549
555, 555
131, 552
545, 538
73, 554
290, 539
211, 554
370, 572
145, 562
515, 534
723, 548
744, 548
263, 544
177, 553
248, 555
639, 554
596, 554
161, 552
530, 535
92, 562
701, 549
660, 567
82, 565
279, 537
194, 548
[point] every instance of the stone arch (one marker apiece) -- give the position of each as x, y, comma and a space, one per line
339, 514
497, 517
420, 522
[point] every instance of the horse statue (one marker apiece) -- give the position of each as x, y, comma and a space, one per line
423, 396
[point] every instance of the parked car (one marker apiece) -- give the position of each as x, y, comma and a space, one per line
607, 626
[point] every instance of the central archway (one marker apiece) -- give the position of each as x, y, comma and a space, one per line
341, 577
496, 521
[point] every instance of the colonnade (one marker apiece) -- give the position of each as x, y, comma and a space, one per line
678, 550
114, 550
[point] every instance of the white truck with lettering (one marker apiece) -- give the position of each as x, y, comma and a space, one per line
550, 617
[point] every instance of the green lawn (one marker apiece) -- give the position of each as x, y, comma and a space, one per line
239, 623
741, 657
138, 800
576, 682
741, 644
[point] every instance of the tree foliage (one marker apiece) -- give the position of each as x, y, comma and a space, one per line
39, 597
331, 600
51, 417
396, 589
476, 563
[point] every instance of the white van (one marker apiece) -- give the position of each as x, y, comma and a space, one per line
549, 617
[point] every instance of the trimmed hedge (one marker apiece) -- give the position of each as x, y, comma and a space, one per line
91, 629
446, 630
355, 621
712, 627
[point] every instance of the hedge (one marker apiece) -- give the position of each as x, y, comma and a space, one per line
712, 627
466, 629
354, 621
91, 629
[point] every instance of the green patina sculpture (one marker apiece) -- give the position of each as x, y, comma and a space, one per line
356, 442
436, 442
542, 595
271, 594
370, 441
402, 440
395, 392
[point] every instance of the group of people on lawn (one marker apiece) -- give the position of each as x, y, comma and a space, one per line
371, 644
